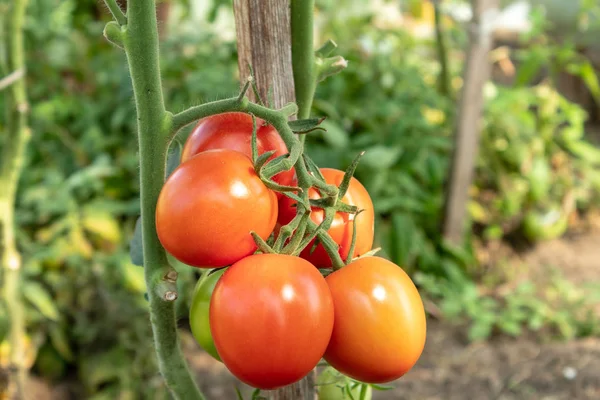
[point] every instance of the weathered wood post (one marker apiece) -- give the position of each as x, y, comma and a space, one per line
476, 73
264, 43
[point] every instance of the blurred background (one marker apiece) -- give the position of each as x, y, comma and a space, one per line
514, 308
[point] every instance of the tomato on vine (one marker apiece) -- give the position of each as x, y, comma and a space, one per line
233, 130
379, 326
342, 226
208, 207
199, 311
271, 317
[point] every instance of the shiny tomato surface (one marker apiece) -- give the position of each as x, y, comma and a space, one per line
271, 317
208, 207
379, 328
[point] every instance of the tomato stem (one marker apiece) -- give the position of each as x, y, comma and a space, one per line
262, 245
353, 242
303, 60
116, 11
287, 230
140, 40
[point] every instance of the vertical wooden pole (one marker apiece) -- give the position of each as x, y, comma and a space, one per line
477, 71
264, 42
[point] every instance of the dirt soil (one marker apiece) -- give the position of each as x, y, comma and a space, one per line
503, 368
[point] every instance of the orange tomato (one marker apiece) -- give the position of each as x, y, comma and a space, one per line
379, 325
208, 207
342, 225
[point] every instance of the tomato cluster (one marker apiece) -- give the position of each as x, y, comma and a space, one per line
270, 318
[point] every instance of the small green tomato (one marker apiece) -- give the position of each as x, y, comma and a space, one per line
199, 318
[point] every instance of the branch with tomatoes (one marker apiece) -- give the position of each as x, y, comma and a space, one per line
289, 273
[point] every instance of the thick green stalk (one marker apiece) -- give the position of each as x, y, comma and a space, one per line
17, 135
141, 46
303, 59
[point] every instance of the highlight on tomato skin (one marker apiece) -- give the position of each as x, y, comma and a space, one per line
342, 226
208, 207
271, 318
379, 325
233, 130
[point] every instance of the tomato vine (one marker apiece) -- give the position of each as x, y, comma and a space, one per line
136, 33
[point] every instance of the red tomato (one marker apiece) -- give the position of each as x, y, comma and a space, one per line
342, 225
208, 207
271, 317
379, 326
233, 131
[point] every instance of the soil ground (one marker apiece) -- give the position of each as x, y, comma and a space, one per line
451, 368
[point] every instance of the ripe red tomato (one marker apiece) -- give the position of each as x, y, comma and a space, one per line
342, 225
199, 321
208, 207
379, 326
271, 317
233, 130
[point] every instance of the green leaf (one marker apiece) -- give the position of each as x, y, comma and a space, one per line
587, 73
335, 136
60, 342
402, 237
306, 125
477, 212
480, 330
3, 323
102, 224
585, 151
104, 367
539, 179
381, 157
530, 68
133, 277
37, 295
136, 249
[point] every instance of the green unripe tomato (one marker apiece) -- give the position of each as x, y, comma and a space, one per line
548, 224
332, 385
199, 320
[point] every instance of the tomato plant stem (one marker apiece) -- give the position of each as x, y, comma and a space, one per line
11, 162
140, 40
303, 59
116, 11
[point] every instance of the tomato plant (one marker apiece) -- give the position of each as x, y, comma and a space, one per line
379, 327
271, 317
333, 385
199, 310
208, 207
233, 130
342, 225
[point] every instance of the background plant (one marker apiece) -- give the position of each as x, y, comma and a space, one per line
79, 179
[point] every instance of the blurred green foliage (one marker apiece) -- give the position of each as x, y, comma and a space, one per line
78, 198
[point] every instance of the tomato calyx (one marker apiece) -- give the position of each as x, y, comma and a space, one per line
301, 231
